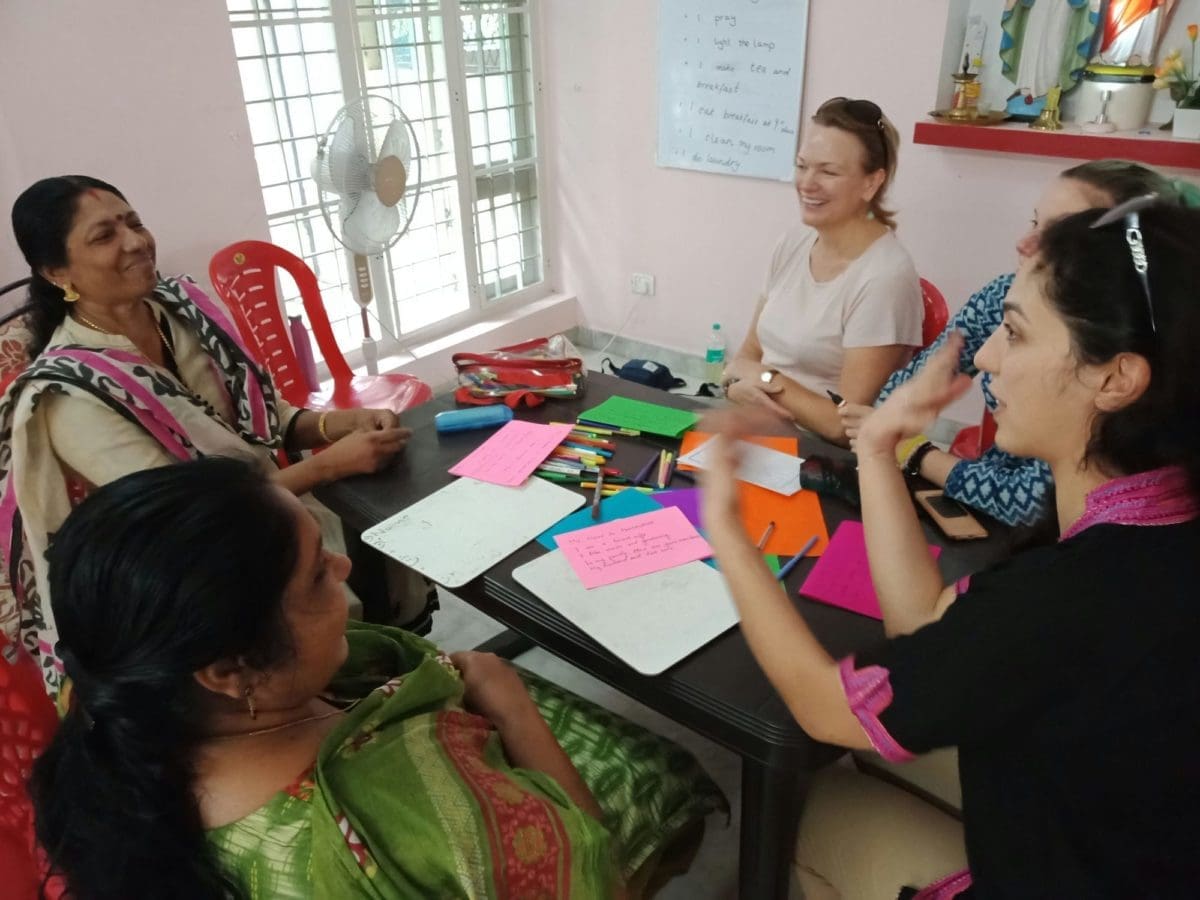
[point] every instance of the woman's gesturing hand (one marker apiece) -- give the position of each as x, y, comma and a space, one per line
914, 406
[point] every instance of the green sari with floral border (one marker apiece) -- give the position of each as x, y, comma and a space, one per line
411, 796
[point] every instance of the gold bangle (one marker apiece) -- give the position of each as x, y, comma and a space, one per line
321, 427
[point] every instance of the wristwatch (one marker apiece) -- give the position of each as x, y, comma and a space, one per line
768, 375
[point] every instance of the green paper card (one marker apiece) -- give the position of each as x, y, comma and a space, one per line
650, 418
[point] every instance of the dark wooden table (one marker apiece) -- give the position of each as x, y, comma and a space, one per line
719, 691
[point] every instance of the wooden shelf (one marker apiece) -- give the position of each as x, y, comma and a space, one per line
1158, 148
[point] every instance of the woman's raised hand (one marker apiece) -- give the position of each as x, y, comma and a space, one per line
718, 480
914, 406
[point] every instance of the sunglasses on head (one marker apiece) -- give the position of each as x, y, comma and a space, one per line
1127, 212
865, 113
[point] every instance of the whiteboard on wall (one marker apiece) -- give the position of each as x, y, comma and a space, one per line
730, 73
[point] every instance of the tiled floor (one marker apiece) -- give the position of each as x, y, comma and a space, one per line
713, 875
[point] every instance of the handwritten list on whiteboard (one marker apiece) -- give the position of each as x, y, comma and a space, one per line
729, 82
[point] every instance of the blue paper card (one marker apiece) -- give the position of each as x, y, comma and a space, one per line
620, 506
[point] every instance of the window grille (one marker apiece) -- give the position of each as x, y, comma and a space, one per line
462, 71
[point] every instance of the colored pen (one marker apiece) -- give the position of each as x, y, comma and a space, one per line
644, 471
590, 441
596, 496
836, 398
603, 428
594, 429
609, 491
584, 479
592, 451
787, 567
766, 535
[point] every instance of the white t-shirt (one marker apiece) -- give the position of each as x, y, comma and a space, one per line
806, 325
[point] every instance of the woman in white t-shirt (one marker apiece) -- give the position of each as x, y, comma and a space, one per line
841, 307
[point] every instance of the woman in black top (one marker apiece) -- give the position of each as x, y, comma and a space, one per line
1067, 676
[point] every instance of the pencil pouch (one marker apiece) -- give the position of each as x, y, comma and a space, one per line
525, 373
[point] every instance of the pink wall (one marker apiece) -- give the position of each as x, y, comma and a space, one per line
706, 237
147, 96
144, 95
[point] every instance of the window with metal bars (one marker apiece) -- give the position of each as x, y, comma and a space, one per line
463, 73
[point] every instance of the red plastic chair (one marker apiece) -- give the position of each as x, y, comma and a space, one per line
243, 275
936, 313
971, 442
27, 722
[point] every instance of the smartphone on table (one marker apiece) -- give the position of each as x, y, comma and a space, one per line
950, 516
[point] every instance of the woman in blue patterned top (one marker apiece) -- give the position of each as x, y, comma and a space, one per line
1010, 488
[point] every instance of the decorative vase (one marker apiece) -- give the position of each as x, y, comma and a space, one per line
1186, 124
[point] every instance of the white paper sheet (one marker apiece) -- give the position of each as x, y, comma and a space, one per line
776, 471
461, 531
650, 622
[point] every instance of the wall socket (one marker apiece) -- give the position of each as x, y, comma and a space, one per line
641, 283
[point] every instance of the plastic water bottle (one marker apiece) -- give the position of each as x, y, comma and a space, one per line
714, 356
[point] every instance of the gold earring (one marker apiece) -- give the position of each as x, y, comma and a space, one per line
250, 702
69, 293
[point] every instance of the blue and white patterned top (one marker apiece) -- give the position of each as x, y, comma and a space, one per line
1012, 489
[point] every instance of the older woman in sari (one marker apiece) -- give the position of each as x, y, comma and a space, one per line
129, 371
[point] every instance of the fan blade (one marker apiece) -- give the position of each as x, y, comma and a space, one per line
342, 166
367, 225
396, 143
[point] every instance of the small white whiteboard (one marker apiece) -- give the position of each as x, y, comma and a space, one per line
729, 82
650, 622
461, 531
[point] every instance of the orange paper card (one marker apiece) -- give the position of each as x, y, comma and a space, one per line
796, 518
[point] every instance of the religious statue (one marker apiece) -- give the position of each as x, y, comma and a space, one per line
1047, 43
1131, 31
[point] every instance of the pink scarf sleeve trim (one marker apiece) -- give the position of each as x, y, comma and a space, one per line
869, 693
155, 417
946, 888
254, 395
1158, 497
8, 512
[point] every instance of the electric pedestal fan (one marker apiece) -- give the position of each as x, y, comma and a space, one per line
368, 175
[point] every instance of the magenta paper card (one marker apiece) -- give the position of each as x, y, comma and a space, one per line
510, 455
627, 548
842, 576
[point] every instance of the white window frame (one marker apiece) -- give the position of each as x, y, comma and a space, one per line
345, 19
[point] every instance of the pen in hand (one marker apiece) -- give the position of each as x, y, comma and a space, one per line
836, 398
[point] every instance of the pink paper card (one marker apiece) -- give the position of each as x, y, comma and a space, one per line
627, 548
842, 576
510, 455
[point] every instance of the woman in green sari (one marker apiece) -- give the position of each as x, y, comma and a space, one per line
230, 734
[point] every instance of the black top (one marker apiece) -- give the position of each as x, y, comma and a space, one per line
1069, 679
